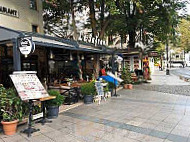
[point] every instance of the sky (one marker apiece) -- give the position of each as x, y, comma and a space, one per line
188, 9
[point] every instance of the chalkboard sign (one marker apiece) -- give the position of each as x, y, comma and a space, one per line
28, 85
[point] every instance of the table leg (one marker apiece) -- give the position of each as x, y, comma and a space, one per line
44, 120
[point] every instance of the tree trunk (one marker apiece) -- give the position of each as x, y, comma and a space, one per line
104, 28
92, 18
73, 20
132, 35
102, 2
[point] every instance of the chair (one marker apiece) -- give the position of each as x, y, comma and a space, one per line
100, 91
70, 94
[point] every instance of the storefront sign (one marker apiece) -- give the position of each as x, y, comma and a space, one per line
153, 54
28, 86
8, 11
27, 46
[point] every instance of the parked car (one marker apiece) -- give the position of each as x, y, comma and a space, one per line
176, 65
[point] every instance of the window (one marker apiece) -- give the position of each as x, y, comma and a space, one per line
33, 4
177, 56
34, 29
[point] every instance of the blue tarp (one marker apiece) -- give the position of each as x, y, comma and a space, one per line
110, 79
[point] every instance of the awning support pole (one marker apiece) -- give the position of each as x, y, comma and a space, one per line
16, 56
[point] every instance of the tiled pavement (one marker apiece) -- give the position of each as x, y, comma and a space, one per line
135, 116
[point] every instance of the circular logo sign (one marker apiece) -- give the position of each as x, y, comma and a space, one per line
26, 46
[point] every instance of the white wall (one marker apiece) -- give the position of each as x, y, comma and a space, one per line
27, 17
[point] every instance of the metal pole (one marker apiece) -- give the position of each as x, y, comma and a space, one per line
167, 70
16, 56
170, 59
112, 63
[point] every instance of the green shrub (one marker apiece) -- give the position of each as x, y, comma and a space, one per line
11, 105
57, 101
126, 76
88, 88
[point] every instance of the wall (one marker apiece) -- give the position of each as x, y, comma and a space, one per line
27, 17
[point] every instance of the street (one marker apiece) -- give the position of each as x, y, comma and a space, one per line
151, 112
181, 72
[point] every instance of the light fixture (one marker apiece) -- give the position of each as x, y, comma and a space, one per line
9, 44
82, 57
92, 58
66, 61
51, 54
71, 56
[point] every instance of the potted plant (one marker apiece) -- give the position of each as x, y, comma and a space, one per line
53, 105
10, 109
126, 76
88, 90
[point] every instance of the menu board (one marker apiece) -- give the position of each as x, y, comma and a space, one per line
28, 86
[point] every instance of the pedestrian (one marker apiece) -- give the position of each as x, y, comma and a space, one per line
160, 68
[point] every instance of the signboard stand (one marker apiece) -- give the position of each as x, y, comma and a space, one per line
30, 130
30, 88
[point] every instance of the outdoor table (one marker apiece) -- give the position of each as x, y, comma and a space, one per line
43, 100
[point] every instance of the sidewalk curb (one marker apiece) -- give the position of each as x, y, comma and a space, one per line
184, 78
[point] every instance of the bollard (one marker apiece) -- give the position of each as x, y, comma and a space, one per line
167, 72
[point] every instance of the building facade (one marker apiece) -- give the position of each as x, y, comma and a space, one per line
22, 15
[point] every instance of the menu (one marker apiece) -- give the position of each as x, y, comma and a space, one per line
28, 86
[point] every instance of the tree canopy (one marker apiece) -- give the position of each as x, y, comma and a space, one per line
184, 30
135, 20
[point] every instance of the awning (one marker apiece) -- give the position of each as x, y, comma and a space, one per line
53, 42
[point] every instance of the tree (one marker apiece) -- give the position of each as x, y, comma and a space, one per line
57, 16
145, 16
184, 30
135, 20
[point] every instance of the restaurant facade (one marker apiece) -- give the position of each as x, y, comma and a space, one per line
53, 58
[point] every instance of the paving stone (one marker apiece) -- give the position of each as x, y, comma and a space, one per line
181, 132
136, 136
159, 134
176, 138
152, 139
40, 138
15, 138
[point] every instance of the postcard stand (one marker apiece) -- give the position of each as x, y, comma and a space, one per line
30, 88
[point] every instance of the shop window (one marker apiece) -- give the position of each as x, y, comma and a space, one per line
34, 29
33, 4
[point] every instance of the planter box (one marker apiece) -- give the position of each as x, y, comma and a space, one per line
88, 99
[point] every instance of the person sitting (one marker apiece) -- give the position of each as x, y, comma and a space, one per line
103, 72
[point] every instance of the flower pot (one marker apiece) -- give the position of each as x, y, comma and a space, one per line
9, 128
130, 86
52, 112
125, 86
88, 99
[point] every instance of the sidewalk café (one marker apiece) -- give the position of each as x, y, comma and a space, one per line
56, 60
